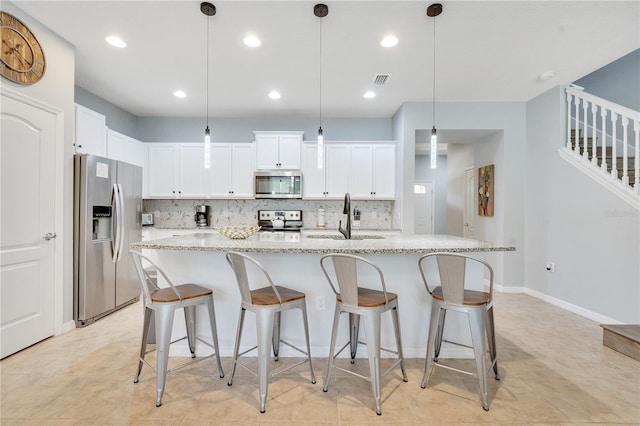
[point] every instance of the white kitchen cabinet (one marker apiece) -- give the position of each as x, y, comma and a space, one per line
176, 170
124, 148
332, 181
278, 150
372, 171
90, 132
231, 174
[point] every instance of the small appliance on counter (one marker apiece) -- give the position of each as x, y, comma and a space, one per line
147, 219
202, 216
280, 220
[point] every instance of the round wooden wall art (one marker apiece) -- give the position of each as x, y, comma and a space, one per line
21, 57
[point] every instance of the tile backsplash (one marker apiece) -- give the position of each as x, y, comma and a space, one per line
180, 213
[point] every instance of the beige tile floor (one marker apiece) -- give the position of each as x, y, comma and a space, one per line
553, 365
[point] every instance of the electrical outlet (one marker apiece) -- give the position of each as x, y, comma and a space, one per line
551, 267
320, 303
374, 214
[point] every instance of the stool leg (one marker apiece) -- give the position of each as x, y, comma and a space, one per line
443, 316
214, 333
396, 327
306, 335
478, 337
264, 327
431, 342
491, 336
237, 345
332, 347
143, 345
372, 331
276, 335
190, 322
164, 323
354, 327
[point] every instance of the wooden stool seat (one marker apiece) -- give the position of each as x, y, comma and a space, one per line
267, 296
471, 297
187, 291
368, 298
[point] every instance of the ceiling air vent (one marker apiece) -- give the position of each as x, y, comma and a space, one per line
381, 79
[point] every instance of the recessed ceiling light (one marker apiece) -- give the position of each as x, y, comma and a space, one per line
546, 75
274, 94
252, 41
369, 95
179, 94
389, 41
116, 41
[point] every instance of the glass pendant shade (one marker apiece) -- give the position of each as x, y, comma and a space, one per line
434, 147
320, 148
207, 148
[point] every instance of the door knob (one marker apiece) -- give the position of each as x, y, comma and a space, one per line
49, 235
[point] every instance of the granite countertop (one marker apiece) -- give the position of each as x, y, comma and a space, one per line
320, 242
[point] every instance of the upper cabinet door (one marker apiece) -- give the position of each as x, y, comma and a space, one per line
384, 171
91, 132
242, 170
193, 181
220, 183
117, 145
278, 151
289, 152
360, 181
313, 178
337, 170
163, 163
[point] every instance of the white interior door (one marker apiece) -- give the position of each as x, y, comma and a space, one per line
424, 208
470, 197
27, 250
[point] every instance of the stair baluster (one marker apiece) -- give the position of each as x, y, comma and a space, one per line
614, 157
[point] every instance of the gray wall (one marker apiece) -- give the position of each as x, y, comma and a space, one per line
158, 129
117, 118
591, 235
617, 82
506, 116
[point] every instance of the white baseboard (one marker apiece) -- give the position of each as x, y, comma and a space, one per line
66, 327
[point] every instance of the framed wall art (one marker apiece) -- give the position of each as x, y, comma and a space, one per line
485, 190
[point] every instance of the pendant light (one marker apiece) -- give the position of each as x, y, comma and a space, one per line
320, 10
209, 10
433, 11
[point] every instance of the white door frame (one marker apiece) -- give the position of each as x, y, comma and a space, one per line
433, 193
60, 230
469, 205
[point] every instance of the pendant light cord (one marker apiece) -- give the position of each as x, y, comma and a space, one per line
207, 68
434, 72
320, 86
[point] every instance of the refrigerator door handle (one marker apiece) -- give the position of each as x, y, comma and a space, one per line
116, 240
121, 226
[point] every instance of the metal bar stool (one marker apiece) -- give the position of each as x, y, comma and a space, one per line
477, 305
162, 303
368, 304
267, 304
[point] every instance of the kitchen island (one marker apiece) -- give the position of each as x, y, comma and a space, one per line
293, 259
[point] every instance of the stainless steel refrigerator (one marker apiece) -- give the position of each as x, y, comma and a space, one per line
107, 218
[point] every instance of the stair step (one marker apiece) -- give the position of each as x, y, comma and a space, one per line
623, 338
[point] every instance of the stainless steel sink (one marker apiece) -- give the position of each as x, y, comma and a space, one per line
340, 237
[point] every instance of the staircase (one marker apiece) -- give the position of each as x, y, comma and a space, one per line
603, 141
623, 338
608, 157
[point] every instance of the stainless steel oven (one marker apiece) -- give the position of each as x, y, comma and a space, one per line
278, 184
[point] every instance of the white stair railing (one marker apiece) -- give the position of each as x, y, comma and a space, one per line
583, 128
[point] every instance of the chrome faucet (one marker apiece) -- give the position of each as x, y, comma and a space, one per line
346, 210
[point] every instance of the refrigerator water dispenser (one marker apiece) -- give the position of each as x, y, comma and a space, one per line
101, 222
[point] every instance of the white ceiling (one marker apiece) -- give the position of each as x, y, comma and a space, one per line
486, 51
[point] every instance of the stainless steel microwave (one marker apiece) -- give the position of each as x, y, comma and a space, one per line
278, 184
